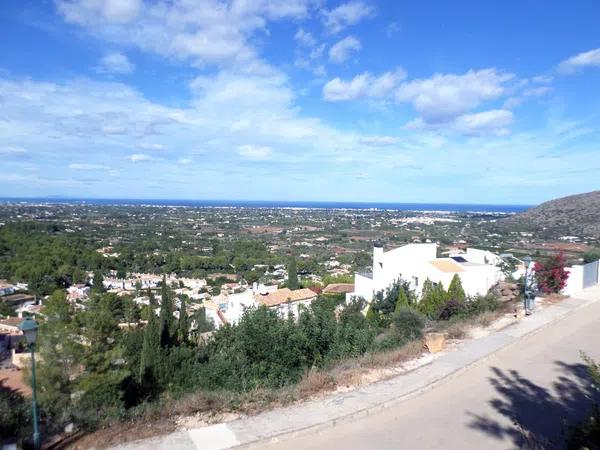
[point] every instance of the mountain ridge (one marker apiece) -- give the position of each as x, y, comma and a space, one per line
574, 215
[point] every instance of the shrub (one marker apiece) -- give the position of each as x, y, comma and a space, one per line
385, 302
591, 255
552, 277
481, 304
14, 413
408, 324
452, 307
432, 299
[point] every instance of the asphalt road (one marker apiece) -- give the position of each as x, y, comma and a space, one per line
535, 383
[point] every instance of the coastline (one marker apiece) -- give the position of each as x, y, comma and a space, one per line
432, 208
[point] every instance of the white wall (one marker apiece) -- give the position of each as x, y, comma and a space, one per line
363, 287
575, 280
477, 280
405, 262
478, 256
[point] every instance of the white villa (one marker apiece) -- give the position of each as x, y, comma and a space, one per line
478, 269
230, 308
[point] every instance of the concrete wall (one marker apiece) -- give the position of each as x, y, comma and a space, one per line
575, 281
22, 360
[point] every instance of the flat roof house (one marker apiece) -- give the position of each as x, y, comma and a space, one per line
418, 262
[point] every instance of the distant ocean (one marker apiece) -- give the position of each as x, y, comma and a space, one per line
446, 207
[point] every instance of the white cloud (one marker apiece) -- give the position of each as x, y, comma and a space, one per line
115, 63
392, 29
305, 38
443, 97
580, 61
342, 49
139, 157
379, 141
543, 79
13, 151
487, 123
255, 152
537, 91
495, 122
364, 85
346, 14
85, 166
87, 11
204, 31
185, 161
151, 146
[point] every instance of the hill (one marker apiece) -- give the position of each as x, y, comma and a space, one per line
575, 215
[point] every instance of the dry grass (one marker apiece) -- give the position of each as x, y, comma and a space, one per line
409, 351
487, 318
316, 382
457, 330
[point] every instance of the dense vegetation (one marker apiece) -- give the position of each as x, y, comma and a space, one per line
92, 370
45, 258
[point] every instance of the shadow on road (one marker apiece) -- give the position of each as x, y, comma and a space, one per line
539, 415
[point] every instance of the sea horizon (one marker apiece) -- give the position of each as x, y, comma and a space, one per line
275, 204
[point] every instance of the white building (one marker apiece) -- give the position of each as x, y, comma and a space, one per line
78, 292
229, 309
6, 288
478, 270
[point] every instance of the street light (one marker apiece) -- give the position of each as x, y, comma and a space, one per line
526, 294
29, 328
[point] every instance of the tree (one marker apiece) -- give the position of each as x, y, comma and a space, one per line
15, 416
97, 281
552, 277
455, 290
202, 323
59, 358
166, 321
292, 274
433, 298
402, 301
183, 324
151, 347
99, 384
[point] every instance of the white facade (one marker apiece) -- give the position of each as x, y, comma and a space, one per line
415, 263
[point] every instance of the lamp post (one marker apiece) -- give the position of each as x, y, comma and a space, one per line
29, 328
526, 293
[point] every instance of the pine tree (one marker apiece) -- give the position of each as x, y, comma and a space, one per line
292, 274
151, 346
427, 288
402, 301
166, 325
455, 290
432, 299
97, 281
184, 325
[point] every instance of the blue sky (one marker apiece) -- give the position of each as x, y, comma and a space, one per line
433, 101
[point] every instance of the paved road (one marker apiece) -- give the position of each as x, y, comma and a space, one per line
536, 381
